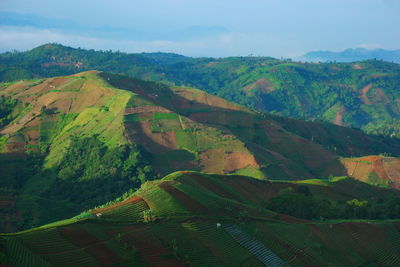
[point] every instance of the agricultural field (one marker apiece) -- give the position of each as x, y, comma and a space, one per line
70, 143
356, 94
195, 219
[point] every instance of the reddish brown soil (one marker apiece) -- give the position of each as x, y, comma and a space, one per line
339, 116
81, 238
103, 254
189, 203
262, 84
216, 189
386, 168
212, 160
157, 143
146, 109
357, 67
364, 92
166, 139
149, 247
256, 191
290, 219
380, 97
131, 200
77, 236
238, 160
194, 99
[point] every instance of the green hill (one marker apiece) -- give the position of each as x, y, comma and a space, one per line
190, 218
73, 142
359, 94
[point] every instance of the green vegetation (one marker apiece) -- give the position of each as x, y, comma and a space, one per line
301, 203
114, 134
278, 86
6, 109
199, 219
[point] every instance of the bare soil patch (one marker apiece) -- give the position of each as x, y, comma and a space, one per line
339, 116
216, 189
262, 84
146, 109
238, 160
212, 160
364, 92
81, 238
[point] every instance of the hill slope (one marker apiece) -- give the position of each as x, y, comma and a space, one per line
69, 143
360, 94
194, 219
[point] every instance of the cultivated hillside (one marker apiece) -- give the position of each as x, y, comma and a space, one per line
72, 142
360, 94
194, 219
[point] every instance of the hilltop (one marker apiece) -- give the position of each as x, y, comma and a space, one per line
360, 94
72, 142
190, 218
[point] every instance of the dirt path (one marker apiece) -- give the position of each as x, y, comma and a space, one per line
364, 92
339, 116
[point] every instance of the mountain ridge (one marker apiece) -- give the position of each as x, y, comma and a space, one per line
360, 94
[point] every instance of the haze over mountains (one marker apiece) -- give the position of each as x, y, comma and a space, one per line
352, 55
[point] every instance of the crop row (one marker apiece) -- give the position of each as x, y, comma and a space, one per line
46, 241
255, 247
22, 256
133, 212
185, 245
213, 236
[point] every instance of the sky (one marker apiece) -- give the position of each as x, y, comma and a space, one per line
215, 28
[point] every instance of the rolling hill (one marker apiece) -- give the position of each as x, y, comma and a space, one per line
73, 142
190, 218
362, 94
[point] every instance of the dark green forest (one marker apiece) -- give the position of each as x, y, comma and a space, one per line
90, 174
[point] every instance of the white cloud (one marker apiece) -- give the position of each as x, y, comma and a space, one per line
369, 46
226, 44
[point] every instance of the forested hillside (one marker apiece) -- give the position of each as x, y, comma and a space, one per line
361, 94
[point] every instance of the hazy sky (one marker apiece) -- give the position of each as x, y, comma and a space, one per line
279, 28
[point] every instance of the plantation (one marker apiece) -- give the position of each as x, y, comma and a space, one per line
224, 228
71, 144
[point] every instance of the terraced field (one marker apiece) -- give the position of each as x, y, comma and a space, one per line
195, 219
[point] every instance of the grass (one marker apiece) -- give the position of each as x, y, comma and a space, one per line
252, 172
166, 116
3, 141
186, 139
163, 204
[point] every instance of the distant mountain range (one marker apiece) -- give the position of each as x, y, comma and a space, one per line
352, 55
